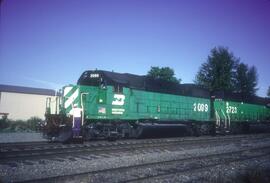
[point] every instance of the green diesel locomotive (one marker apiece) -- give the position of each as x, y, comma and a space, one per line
115, 105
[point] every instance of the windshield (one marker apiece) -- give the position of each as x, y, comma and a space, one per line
90, 78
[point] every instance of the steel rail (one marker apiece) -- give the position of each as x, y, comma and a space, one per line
115, 147
220, 158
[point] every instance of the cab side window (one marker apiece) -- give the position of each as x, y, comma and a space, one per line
118, 89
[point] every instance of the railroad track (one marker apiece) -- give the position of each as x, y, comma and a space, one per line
22, 144
149, 171
167, 156
37, 152
26, 146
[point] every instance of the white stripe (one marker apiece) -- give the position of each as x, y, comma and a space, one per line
71, 99
116, 109
117, 112
66, 90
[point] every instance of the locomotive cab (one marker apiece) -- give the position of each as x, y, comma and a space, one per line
92, 78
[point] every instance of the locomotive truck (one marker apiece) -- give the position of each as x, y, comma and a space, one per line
123, 105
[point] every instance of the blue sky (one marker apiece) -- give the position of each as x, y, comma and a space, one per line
49, 43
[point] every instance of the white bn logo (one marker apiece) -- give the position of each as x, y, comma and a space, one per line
118, 99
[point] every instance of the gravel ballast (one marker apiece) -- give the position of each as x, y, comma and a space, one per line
27, 170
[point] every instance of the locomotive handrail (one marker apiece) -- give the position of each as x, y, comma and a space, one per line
229, 120
225, 118
83, 106
217, 118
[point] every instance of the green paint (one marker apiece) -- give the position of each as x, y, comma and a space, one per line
104, 103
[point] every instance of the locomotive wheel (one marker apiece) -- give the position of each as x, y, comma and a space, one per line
112, 136
236, 128
195, 130
139, 132
213, 129
245, 128
205, 129
222, 129
65, 134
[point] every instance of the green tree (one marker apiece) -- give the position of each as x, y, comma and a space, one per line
218, 72
165, 73
241, 83
246, 80
268, 92
252, 77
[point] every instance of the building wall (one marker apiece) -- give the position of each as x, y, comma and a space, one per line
24, 106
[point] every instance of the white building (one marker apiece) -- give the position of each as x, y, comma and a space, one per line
22, 103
